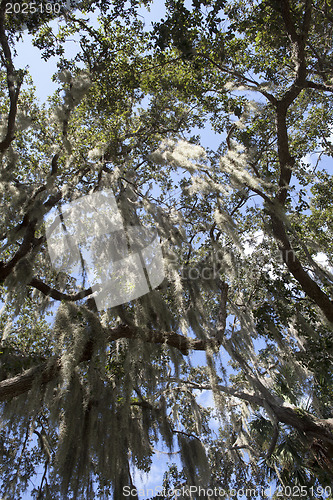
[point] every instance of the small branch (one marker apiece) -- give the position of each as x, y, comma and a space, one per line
229, 134
273, 443
222, 315
240, 204
173, 339
241, 77
40, 489
186, 434
230, 391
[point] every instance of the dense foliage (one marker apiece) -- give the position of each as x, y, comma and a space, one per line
246, 234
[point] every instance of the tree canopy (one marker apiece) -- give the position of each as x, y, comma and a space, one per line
245, 229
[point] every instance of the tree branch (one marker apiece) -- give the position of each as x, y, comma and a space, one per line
318, 86
287, 18
306, 424
12, 78
55, 294
310, 287
230, 391
273, 442
222, 315
47, 371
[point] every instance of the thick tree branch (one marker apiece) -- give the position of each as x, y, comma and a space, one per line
310, 287
25, 247
273, 442
298, 54
173, 339
307, 425
55, 294
22, 383
29, 240
45, 372
318, 86
14, 81
286, 160
298, 51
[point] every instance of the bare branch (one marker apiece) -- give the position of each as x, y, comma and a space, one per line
230, 391
285, 159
